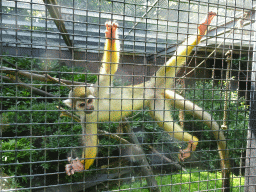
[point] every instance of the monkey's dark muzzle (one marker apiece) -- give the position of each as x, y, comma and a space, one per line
89, 109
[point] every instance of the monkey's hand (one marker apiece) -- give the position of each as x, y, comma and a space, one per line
187, 152
111, 30
74, 166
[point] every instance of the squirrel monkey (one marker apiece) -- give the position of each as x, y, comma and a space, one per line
103, 102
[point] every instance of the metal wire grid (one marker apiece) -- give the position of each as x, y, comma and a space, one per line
36, 140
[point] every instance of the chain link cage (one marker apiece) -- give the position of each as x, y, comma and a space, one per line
85, 109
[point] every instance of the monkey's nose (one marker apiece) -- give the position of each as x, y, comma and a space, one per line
89, 109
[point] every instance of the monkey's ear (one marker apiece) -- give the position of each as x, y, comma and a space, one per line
68, 102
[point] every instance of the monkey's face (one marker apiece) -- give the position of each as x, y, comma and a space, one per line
84, 105
81, 100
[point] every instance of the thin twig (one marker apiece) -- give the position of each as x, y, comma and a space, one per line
166, 158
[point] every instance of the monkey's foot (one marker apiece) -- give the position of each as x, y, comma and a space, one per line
75, 166
203, 27
187, 152
111, 30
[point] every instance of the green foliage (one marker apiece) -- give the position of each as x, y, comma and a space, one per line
12, 94
152, 132
41, 135
194, 181
24, 63
75, 74
17, 151
107, 144
39, 119
46, 137
42, 119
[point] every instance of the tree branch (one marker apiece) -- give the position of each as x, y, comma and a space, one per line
39, 77
26, 86
54, 10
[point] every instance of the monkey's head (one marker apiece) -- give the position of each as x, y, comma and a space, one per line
81, 99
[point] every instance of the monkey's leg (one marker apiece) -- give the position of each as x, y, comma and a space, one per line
161, 112
111, 50
180, 103
179, 57
110, 58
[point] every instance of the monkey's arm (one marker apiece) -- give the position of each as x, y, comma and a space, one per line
90, 142
89, 122
179, 57
160, 111
110, 56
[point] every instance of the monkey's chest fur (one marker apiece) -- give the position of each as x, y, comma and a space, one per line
117, 103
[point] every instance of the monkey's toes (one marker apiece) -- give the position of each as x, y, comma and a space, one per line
75, 166
68, 169
184, 154
212, 14
111, 30
110, 25
114, 26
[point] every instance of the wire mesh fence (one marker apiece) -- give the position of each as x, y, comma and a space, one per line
125, 95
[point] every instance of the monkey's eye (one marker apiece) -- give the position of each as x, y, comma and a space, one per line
90, 101
82, 105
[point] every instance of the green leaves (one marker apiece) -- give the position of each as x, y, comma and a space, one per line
17, 151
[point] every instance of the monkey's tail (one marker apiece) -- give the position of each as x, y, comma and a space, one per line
179, 57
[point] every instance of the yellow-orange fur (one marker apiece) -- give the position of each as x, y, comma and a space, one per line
114, 103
